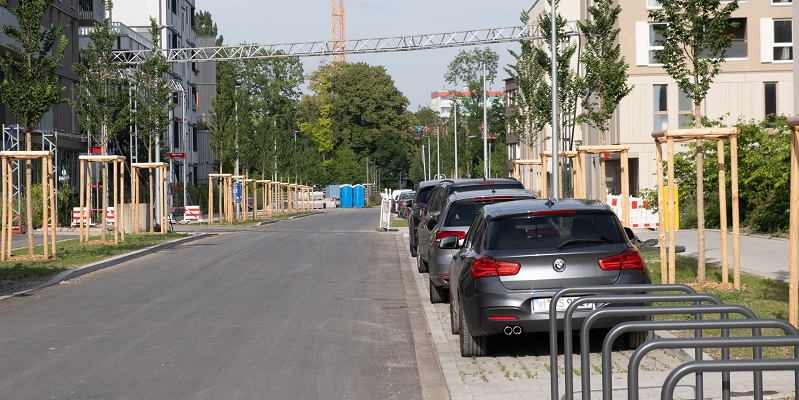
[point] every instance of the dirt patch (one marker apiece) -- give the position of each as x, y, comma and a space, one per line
15, 284
721, 287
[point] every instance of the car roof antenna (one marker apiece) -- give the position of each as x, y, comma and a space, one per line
550, 202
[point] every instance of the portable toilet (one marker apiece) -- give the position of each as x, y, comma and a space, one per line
358, 196
346, 196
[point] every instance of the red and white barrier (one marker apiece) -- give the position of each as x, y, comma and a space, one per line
640, 216
76, 217
192, 213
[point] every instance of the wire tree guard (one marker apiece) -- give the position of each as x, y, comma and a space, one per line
151, 168
118, 194
49, 215
719, 135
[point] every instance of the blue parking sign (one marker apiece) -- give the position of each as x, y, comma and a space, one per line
236, 192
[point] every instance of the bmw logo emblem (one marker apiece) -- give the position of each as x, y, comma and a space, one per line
559, 265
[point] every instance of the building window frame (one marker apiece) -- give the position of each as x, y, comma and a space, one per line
660, 107
770, 100
781, 47
653, 46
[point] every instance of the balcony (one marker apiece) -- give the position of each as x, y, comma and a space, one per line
739, 49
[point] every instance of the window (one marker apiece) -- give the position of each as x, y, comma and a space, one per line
783, 42
661, 111
739, 47
194, 138
654, 46
175, 134
686, 111
781, 2
653, 5
770, 100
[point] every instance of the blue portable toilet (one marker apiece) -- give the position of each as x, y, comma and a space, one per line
358, 196
346, 196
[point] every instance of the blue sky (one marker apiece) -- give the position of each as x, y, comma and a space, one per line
416, 73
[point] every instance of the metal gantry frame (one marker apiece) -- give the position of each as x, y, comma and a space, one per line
337, 48
11, 143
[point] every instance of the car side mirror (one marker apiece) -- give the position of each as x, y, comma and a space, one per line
416, 213
630, 233
449, 242
431, 223
409, 203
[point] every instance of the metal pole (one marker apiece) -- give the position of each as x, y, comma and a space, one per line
555, 163
438, 154
485, 124
424, 165
236, 107
456, 136
185, 159
429, 166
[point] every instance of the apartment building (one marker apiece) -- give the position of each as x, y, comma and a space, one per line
59, 128
442, 102
757, 80
175, 18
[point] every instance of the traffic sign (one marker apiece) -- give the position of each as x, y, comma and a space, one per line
177, 155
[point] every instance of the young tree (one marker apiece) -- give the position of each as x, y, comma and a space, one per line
534, 97
152, 115
102, 104
204, 25
30, 75
605, 69
695, 40
466, 69
605, 79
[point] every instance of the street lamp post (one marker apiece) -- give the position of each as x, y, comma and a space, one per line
485, 124
455, 119
236, 108
438, 154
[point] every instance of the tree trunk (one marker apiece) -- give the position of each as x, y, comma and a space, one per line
700, 199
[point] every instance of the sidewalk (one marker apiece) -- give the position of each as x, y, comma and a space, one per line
760, 255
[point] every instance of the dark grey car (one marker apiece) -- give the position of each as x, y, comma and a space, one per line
517, 254
418, 210
455, 219
438, 199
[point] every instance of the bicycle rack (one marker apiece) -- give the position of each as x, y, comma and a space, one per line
667, 390
584, 345
691, 310
638, 355
592, 290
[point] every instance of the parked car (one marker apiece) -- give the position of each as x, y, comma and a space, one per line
455, 219
395, 194
405, 199
517, 254
438, 199
418, 210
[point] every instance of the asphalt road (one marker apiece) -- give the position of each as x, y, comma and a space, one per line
313, 308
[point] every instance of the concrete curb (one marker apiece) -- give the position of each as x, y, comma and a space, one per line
109, 262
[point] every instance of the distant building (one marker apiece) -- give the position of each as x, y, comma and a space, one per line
442, 101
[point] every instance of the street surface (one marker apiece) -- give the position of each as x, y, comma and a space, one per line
318, 307
313, 308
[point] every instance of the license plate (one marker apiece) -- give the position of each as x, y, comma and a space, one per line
542, 305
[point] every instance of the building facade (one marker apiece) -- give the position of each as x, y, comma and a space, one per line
756, 81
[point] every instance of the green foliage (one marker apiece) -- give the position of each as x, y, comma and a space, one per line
102, 105
695, 39
605, 69
204, 25
764, 178
352, 106
153, 96
30, 70
533, 68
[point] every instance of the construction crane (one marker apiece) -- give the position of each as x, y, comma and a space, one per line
339, 31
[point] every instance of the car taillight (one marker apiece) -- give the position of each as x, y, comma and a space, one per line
442, 234
629, 259
486, 266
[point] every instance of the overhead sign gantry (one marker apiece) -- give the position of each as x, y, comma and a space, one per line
332, 48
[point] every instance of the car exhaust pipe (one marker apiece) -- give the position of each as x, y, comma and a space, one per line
512, 330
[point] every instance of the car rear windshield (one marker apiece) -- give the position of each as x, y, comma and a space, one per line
553, 231
423, 194
463, 213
